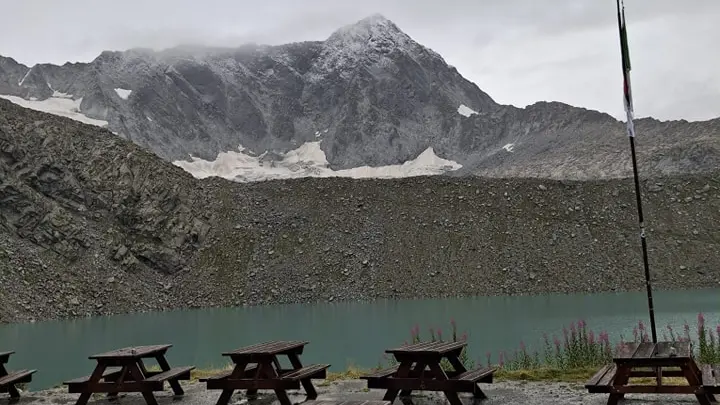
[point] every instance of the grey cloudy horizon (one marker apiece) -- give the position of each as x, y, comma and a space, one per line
518, 51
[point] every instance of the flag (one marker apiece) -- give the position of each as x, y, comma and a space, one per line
625, 53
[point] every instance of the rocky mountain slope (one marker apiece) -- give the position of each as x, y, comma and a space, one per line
370, 95
93, 224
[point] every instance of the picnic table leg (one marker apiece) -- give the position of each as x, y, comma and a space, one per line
12, 390
415, 372
695, 370
237, 373
692, 374
268, 371
439, 374
123, 374
252, 393
174, 383
94, 377
306, 383
402, 372
621, 378
137, 375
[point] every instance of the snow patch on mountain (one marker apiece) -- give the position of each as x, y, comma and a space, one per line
20, 83
59, 104
509, 147
465, 110
308, 160
123, 93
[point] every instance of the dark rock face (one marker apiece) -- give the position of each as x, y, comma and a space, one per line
92, 224
369, 93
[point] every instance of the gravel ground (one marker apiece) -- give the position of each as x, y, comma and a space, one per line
528, 393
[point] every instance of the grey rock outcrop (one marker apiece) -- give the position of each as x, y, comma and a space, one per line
92, 224
369, 93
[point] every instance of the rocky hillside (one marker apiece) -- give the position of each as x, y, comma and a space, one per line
93, 224
369, 94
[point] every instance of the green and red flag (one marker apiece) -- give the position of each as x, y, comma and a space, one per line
624, 50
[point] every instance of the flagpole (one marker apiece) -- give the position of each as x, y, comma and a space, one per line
625, 52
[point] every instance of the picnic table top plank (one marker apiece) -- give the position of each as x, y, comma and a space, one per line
268, 348
664, 349
132, 352
438, 348
5, 356
645, 350
653, 351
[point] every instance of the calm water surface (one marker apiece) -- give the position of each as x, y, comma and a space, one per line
340, 333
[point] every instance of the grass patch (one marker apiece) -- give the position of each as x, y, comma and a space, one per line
196, 374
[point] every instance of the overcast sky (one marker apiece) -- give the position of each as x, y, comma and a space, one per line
518, 51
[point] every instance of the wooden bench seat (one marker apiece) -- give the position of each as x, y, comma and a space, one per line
480, 374
175, 373
711, 378
18, 376
110, 373
601, 382
315, 371
384, 373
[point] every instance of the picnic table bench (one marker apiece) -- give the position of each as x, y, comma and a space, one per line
123, 370
9, 379
648, 360
266, 372
419, 369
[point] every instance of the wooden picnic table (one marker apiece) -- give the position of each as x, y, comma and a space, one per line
649, 360
419, 368
9, 379
266, 372
123, 370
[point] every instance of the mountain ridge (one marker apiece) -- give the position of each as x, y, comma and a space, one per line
370, 95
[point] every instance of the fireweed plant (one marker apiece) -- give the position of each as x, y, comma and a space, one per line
576, 347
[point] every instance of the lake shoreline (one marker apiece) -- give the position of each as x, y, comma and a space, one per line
27, 318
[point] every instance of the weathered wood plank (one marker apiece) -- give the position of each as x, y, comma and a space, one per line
267, 348
593, 381
109, 372
476, 374
175, 373
608, 378
437, 348
317, 371
5, 356
644, 351
18, 376
132, 352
